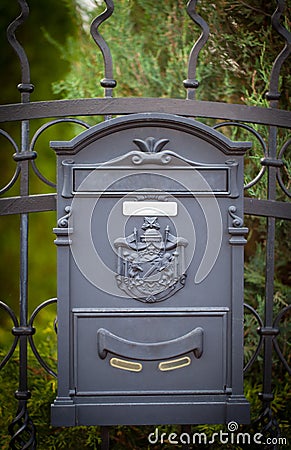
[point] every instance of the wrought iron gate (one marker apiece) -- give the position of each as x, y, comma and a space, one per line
22, 429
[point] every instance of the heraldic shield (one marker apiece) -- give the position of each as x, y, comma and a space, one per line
151, 264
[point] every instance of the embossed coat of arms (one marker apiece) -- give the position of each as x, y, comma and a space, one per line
151, 263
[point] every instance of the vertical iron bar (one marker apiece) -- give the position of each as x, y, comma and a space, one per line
105, 438
108, 83
23, 298
22, 429
270, 425
187, 430
25, 434
191, 84
268, 332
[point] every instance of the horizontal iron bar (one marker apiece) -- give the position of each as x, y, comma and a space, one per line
27, 204
47, 202
109, 106
267, 208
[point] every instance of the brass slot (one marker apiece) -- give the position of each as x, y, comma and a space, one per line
125, 365
174, 364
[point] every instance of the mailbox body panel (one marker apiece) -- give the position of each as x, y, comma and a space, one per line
209, 375
150, 274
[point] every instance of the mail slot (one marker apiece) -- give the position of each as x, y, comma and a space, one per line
150, 241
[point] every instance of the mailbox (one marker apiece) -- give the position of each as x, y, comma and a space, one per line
150, 243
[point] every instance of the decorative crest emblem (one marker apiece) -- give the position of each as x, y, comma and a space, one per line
151, 264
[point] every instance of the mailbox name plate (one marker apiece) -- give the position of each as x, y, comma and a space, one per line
169, 209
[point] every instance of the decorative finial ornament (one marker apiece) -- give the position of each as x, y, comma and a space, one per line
108, 81
150, 144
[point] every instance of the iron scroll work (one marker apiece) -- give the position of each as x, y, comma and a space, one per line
150, 243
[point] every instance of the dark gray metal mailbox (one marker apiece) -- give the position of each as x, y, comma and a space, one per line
150, 243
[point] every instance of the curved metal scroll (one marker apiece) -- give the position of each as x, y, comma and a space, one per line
109, 342
39, 132
17, 170
279, 176
22, 429
14, 344
191, 83
25, 87
31, 341
257, 135
108, 82
275, 342
14, 42
260, 343
273, 93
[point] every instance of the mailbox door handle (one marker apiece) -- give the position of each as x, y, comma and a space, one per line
148, 351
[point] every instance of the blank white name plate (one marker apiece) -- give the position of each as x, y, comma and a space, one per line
150, 209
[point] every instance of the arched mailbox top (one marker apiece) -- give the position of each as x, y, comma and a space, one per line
147, 120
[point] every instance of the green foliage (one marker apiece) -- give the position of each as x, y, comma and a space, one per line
151, 41
50, 17
53, 17
143, 66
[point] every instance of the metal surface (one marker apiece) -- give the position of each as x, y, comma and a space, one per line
143, 288
22, 430
191, 83
116, 106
